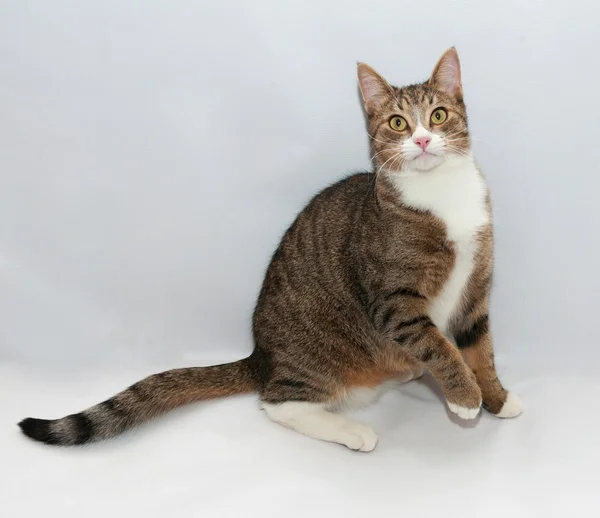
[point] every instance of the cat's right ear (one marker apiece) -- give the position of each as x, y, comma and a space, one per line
374, 88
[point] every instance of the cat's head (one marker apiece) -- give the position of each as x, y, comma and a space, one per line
416, 128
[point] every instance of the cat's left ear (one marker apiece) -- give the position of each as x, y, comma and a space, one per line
446, 74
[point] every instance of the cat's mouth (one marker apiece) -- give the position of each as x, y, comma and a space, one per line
424, 161
423, 155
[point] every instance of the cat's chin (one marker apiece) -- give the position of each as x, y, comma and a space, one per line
424, 163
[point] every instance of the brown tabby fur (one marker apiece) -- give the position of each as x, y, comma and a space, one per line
345, 300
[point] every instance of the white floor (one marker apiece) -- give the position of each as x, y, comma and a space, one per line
226, 459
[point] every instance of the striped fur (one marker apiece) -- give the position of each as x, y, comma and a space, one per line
144, 400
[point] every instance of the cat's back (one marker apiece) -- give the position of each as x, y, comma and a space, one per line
312, 252
307, 280
327, 216
348, 192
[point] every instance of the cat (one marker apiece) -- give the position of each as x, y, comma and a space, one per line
382, 275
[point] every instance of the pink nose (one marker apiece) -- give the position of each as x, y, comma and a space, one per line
422, 142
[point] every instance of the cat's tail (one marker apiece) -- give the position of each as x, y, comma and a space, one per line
144, 400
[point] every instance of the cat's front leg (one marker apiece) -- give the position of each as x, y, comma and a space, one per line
474, 340
426, 344
402, 316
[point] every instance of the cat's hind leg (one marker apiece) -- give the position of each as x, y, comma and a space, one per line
414, 370
314, 420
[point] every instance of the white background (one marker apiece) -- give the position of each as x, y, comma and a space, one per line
152, 153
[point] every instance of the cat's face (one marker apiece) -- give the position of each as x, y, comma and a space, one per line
416, 128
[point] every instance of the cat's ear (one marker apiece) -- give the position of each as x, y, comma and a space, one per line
446, 74
374, 88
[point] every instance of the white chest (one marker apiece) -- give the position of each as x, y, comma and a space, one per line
455, 192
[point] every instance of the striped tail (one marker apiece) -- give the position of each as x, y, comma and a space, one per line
142, 401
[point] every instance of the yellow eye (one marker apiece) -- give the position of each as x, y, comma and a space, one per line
438, 116
398, 123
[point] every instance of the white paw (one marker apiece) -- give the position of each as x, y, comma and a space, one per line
360, 437
464, 412
512, 407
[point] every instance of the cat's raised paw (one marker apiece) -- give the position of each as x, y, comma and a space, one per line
512, 407
359, 437
464, 412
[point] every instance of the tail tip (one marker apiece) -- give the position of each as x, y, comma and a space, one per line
38, 430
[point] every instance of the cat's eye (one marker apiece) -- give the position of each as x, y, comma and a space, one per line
398, 123
438, 116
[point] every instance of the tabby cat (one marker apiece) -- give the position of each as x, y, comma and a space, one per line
381, 276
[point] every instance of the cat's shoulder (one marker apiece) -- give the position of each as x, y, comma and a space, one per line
350, 185
354, 180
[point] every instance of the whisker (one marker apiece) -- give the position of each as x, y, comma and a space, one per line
455, 136
392, 164
380, 152
457, 133
376, 155
457, 151
377, 140
392, 157
373, 183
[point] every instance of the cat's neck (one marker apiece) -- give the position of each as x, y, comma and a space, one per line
455, 191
